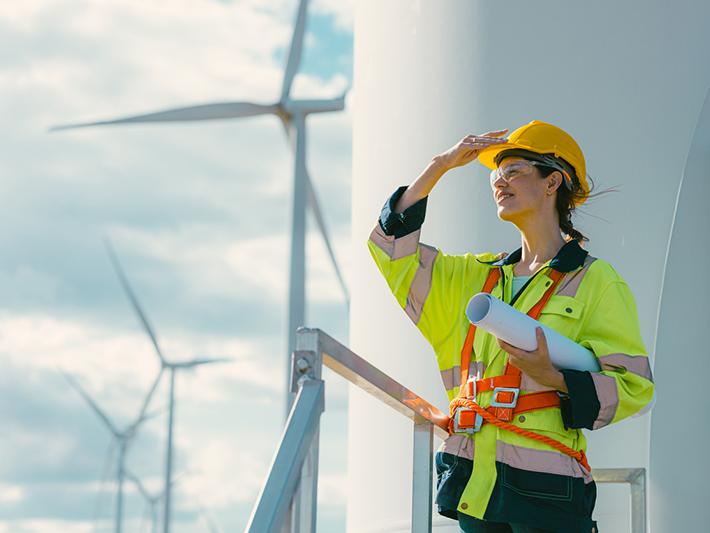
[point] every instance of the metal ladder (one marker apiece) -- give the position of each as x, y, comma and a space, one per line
287, 500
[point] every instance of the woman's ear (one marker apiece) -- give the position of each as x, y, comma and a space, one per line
554, 180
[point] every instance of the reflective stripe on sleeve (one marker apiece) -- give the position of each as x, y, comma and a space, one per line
636, 364
395, 248
421, 284
608, 396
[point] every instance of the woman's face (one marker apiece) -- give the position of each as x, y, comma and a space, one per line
524, 195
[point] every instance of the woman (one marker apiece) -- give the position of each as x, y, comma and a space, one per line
493, 478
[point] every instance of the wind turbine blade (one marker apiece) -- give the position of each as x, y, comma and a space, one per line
131, 296
315, 207
142, 413
204, 361
216, 111
295, 51
137, 482
152, 414
91, 403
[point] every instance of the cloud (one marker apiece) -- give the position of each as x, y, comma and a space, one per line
10, 494
35, 526
200, 216
238, 474
341, 10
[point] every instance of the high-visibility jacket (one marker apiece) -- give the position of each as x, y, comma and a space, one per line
513, 478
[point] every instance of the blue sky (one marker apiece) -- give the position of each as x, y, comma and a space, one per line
199, 215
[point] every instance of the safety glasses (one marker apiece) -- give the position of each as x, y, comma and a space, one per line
520, 168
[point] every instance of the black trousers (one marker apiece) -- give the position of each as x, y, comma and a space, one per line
469, 524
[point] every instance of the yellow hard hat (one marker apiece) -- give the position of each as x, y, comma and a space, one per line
542, 138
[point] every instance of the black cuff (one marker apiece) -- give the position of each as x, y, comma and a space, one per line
580, 406
404, 223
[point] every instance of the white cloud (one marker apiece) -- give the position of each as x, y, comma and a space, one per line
227, 474
38, 526
10, 494
200, 212
258, 265
119, 367
342, 11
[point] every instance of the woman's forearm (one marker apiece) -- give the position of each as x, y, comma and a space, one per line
462, 153
423, 185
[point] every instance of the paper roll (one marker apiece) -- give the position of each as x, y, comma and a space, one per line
518, 329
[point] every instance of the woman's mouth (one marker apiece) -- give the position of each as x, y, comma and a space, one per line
504, 197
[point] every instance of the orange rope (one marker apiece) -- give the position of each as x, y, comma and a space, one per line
488, 417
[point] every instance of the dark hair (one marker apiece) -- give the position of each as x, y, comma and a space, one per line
565, 200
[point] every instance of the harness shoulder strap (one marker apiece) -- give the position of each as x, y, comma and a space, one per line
491, 281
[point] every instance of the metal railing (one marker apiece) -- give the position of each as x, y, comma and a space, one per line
636, 478
287, 501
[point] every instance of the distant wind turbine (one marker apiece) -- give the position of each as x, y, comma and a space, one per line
292, 114
123, 438
209, 519
170, 366
152, 500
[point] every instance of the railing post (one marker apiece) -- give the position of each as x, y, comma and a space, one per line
636, 478
638, 502
303, 508
422, 476
307, 361
297, 452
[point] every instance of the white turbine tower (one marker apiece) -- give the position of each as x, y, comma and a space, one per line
293, 115
170, 366
122, 437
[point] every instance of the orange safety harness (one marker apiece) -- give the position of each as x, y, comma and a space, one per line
468, 417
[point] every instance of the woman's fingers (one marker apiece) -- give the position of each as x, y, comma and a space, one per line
506, 346
494, 133
485, 140
489, 135
541, 335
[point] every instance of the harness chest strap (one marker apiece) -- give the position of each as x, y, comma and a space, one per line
507, 386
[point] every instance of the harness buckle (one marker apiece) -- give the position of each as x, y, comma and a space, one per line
511, 401
471, 389
467, 421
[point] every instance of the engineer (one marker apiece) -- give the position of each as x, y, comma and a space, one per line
515, 458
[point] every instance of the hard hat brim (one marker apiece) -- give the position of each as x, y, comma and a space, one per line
487, 155
487, 158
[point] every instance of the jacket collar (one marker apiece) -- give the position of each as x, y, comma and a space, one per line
570, 257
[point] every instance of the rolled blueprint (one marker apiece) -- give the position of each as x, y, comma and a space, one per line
518, 329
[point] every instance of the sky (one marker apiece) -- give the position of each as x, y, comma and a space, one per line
199, 216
